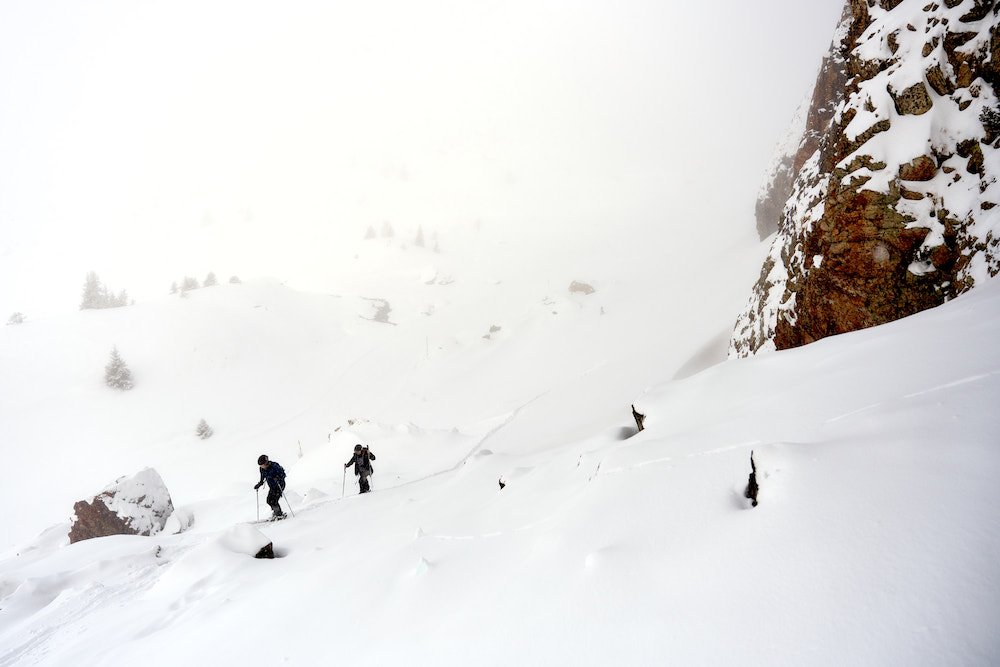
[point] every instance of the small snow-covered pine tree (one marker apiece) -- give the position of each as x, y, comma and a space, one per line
16, 318
94, 296
370, 234
419, 242
210, 280
235, 280
173, 287
116, 373
204, 431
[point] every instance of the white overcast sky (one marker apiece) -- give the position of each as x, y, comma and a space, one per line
149, 140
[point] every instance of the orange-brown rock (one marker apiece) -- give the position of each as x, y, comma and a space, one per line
922, 168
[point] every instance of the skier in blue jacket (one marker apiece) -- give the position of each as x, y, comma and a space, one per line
274, 475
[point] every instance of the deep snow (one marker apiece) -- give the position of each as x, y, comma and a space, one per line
875, 541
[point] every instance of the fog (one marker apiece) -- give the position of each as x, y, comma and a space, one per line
148, 141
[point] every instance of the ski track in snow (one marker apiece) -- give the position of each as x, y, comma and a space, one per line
880, 404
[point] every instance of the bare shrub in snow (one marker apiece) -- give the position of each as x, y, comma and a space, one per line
16, 318
990, 119
751, 491
116, 373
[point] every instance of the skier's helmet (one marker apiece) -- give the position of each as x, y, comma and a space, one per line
357, 448
262, 459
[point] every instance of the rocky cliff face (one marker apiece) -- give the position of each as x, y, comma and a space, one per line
894, 210
808, 127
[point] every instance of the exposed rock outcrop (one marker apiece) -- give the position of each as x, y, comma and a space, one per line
136, 505
894, 211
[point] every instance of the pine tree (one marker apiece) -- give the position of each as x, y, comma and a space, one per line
189, 283
173, 287
94, 294
204, 431
116, 373
210, 280
420, 237
370, 234
235, 280
97, 295
16, 318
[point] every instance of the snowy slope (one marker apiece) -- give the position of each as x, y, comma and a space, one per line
875, 540
270, 369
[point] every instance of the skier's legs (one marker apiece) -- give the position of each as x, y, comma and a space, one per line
363, 481
273, 495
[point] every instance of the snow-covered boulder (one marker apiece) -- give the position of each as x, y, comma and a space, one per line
245, 539
132, 505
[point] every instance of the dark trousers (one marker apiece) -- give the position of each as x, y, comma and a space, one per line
273, 496
365, 486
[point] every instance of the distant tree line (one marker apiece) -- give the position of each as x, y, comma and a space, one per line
388, 232
97, 295
188, 283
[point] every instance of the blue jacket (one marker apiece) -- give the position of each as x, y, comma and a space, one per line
273, 474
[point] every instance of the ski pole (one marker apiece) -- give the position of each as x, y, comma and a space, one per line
258, 503
287, 502
343, 483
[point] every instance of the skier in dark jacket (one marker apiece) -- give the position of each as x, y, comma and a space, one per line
362, 461
274, 475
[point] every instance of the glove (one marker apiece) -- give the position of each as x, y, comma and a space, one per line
257, 485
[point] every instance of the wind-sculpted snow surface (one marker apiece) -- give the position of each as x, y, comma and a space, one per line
874, 540
896, 210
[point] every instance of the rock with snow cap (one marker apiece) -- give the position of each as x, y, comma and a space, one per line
132, 505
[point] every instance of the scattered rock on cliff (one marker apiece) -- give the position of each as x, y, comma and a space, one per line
136, 505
